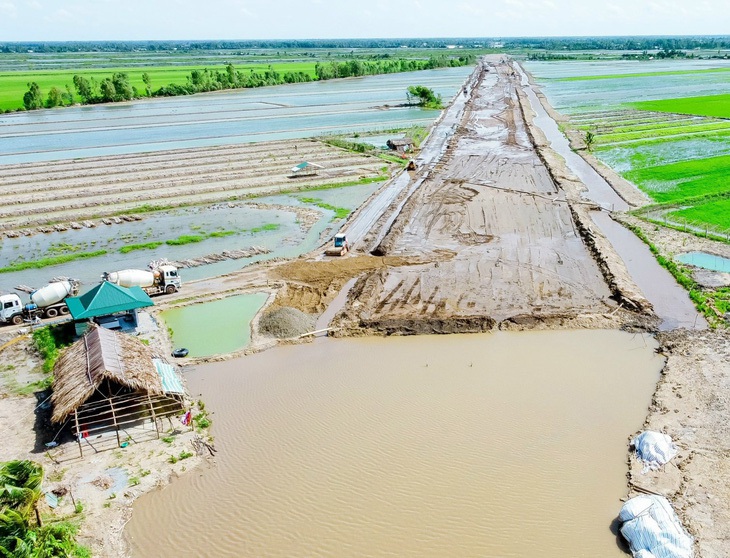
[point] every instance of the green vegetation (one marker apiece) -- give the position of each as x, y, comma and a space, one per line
202, 420
51, 260
710, 105
340, 212
424, 97
66, 87
50, 340
715, 213
713, 304
144, 246
678, 182
186, 239
644, 74
175, 458
21, 532
263, 228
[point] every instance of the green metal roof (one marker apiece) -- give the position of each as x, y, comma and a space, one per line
107, 298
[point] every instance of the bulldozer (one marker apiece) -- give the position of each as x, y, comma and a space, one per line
339, 247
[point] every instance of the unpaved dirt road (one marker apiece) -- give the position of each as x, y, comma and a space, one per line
498, 232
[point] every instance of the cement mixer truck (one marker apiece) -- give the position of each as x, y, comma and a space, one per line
157, 280
46, 302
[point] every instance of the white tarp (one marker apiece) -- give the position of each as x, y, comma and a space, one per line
654, 449
653, 530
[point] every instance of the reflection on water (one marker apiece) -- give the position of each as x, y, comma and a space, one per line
509, 444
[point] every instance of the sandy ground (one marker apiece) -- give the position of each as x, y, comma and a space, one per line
99, 187
692, 405
103, 485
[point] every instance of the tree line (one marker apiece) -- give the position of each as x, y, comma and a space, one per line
117, 87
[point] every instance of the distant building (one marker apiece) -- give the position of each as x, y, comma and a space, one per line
401, 145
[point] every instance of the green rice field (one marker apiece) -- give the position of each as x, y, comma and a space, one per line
709, 105
667, 129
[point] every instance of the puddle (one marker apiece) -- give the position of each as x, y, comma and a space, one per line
503, 444
705, 261
211, 328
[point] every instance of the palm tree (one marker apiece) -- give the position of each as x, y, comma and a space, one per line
20, 485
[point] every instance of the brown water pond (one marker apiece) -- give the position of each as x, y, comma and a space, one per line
503, 444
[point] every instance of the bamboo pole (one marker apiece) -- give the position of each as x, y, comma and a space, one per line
78, 432
152, 410
114, 418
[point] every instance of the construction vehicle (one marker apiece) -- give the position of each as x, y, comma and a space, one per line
339, 247
46, 302
159, 279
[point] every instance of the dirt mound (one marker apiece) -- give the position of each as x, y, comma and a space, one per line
286, 322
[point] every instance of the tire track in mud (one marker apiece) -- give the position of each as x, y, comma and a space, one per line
491, 201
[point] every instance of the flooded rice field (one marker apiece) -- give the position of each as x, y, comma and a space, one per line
211, 119
571, 96
224, 226
217, 327
509, 444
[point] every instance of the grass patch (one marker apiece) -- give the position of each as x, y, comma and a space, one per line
51, 260
143, 246
186, 239
340, 212
50, 340
263, 228
709, 105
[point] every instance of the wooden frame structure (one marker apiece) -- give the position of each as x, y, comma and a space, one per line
113, 389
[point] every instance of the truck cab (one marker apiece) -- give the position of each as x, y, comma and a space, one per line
11, 310
170, 278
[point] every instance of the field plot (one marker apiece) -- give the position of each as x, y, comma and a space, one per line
37, 194
666, 130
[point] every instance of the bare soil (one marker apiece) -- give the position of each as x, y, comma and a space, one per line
500, 239
692, 405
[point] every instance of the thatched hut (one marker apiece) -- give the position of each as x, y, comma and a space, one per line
108, 383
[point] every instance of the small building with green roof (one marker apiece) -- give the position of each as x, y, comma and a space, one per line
108, 305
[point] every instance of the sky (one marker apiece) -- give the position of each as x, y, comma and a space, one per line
81, 20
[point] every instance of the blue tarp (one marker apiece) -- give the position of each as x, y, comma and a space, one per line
171, 382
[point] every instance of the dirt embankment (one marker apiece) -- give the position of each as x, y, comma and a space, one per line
692, 405
517, 254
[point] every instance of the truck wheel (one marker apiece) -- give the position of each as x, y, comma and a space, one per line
52, 312
170, 289
64, 310
17, 319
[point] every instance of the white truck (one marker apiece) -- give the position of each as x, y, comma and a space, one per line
46, 302
157, 280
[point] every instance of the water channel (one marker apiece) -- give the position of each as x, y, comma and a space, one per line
670, 301
502, 444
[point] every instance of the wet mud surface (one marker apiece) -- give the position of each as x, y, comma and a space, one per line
502, 242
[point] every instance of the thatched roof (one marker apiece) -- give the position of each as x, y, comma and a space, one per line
99, 355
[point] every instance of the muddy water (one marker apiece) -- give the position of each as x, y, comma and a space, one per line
509, 444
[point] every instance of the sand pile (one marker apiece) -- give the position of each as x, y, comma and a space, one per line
286, 322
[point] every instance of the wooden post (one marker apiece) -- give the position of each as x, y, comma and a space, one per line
78, 433
114, 418
154, 418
